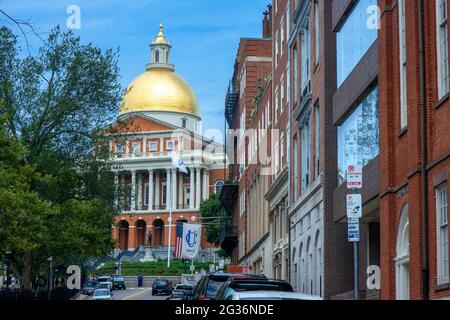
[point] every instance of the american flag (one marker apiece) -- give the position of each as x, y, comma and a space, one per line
179, 242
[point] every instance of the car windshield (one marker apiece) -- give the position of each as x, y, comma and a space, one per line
160, 282
118, 279
184, 287
101, 293
214, 286
91, 284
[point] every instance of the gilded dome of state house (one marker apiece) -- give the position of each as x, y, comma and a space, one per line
159, 88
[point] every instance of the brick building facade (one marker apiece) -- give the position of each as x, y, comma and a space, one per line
415, 149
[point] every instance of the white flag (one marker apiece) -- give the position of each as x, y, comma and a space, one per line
191, 240
178, 163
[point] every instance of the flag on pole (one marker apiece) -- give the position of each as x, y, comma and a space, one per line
191, 240
178, 163
179, 242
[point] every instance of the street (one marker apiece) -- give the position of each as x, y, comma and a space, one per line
131, 294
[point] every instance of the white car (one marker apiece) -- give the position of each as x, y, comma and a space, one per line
105, 285
102, 294
270, 295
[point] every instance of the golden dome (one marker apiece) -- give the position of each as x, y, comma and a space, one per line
159, 89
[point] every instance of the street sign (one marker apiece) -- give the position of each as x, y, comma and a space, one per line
353, 229
354, 206
354, 176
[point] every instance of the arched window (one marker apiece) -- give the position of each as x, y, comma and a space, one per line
294, 269
157, 56
301, 287
218, 186
309, 266
318, 265
402, 258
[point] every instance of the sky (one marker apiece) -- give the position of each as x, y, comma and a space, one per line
204, 34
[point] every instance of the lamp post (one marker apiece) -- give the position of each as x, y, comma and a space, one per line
50, 276
7, 256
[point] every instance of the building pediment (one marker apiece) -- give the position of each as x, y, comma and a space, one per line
138, 122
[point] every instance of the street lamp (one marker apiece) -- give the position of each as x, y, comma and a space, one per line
7, 257
50, 276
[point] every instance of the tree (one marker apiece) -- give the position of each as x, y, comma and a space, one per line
54, 107
214, 217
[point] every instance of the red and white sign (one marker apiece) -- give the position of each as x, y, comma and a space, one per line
354, 176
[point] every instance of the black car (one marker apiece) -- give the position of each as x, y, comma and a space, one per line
118, 282
161, 286
209, 284
89, 287
252, 284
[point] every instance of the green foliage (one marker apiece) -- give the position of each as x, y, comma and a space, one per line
155, 268
56, 193
214, 217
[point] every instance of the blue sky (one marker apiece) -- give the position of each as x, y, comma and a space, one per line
204, 35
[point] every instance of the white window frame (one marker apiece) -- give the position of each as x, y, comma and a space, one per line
118, 148
403, 66
282, 36
167, 145
151, 143
276, 104
135, 145
282, 93
295, 57
442, 234
442, 47
317, 31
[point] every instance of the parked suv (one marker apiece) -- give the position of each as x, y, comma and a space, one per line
118, 282
161, 286
209, 284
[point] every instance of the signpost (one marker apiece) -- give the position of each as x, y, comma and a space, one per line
354, 212
354, 176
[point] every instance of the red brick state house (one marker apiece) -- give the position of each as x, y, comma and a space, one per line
159, 115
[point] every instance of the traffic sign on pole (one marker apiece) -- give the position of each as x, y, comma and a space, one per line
354, 205
354, 176
353, 229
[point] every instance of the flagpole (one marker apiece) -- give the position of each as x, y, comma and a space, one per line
170, 218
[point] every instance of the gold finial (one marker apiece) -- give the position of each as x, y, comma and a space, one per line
160, 38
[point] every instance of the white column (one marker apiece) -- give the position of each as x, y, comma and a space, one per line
191, 188
204, 185
207, 184
139, 191
197, 188
168, 197
150, 189
157, 189
133, 190
116, 188
127, 151
174, 189
180, 189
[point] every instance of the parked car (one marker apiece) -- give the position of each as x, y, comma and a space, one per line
89, 287
118, 282
252, 284
102, 294
184, 288
209, 284
161, 286
176, 295
106, 280
270, 295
